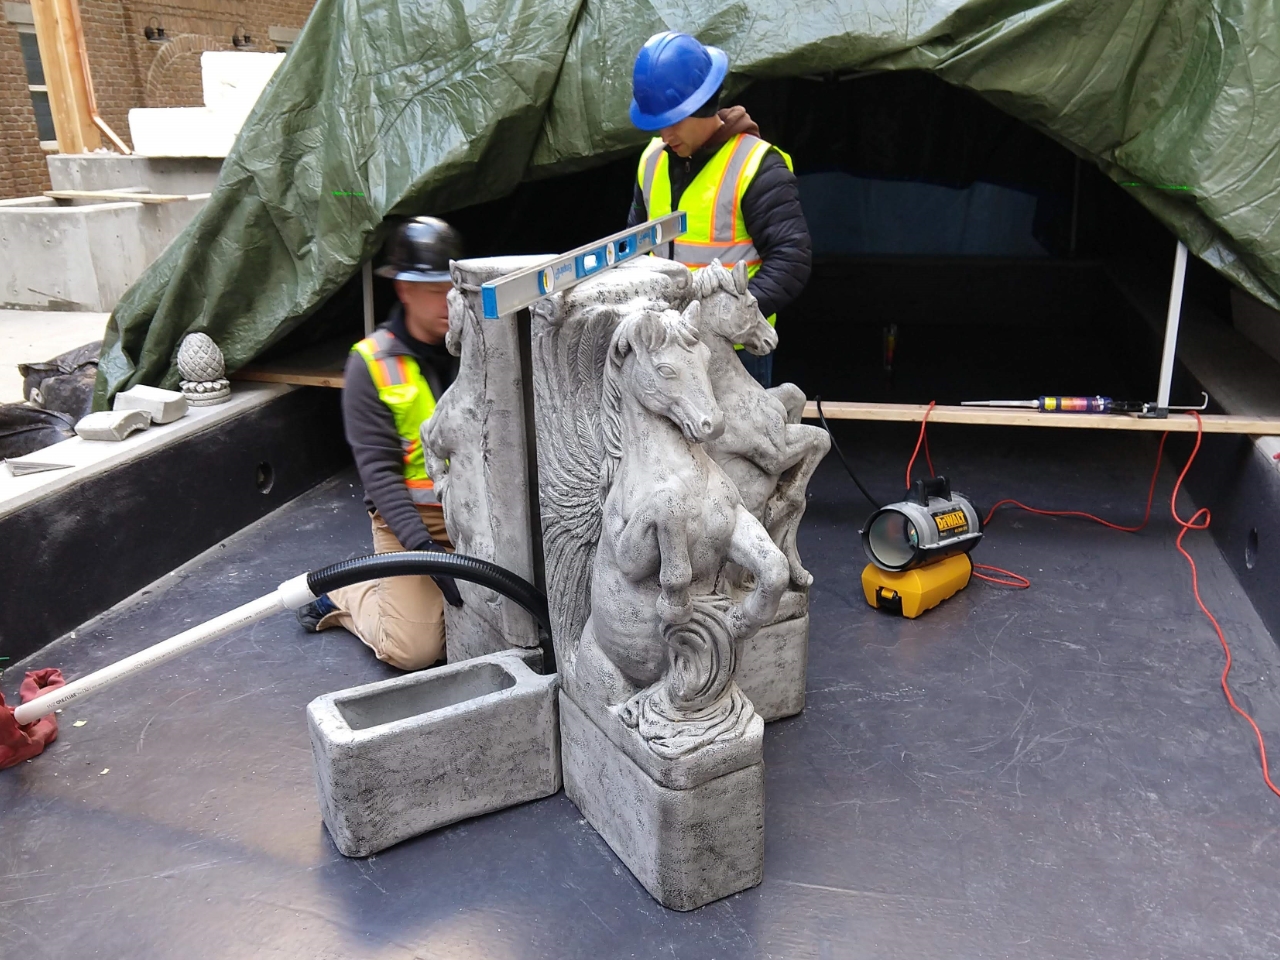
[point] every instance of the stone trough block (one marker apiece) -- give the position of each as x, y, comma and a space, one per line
399, 757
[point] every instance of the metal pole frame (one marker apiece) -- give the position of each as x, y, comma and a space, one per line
1172, 320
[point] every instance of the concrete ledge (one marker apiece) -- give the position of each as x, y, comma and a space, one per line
111, 171
87, 459
76, 542
82, 256
400, 757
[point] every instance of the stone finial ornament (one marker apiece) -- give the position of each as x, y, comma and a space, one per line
204, 382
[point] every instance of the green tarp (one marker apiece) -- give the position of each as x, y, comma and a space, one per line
409, 106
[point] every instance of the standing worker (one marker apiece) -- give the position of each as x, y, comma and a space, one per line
738, 191
392, 382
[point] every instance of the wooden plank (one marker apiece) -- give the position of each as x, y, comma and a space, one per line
298, 378
61, 98
319, 365
75, 60
114, 195
1006, 417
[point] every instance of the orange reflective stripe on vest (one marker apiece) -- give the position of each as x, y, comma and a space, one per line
403, 388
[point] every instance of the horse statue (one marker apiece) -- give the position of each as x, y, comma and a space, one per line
765, 449
638, 513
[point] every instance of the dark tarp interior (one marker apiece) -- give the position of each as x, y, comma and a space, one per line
510, 118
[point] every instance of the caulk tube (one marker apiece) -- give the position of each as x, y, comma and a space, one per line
288, 596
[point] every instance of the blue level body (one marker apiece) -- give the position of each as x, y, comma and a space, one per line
518, 290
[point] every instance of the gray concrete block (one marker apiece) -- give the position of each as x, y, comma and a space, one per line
111, 171
112, 424
773, 667
164, 406
686, 847
81, 256
400, 757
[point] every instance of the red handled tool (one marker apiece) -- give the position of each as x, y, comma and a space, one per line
1079, 405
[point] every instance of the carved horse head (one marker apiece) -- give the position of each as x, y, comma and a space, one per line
656, 356
730, 311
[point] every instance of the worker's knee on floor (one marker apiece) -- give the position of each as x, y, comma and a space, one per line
410, 645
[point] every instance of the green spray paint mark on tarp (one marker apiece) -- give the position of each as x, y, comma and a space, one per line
347, 193
1154, 186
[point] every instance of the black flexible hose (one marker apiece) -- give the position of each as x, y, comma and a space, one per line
840, 453
413, 563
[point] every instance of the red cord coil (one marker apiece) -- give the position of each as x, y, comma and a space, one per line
1197, 521
1017, 581
1200, 521
1146, 516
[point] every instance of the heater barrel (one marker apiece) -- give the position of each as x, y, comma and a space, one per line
931, 524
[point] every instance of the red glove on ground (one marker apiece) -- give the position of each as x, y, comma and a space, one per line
22, 743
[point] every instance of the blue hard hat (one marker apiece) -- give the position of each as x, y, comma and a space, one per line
673, 77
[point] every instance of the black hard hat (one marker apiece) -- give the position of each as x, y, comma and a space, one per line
420, 250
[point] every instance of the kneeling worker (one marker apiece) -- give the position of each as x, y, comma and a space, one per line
393, 379
738, 191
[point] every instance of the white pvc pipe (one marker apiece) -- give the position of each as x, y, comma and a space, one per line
1171, 326
288, 596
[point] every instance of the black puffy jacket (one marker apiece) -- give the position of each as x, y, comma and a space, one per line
770, 211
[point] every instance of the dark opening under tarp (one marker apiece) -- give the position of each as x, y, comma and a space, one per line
412, 106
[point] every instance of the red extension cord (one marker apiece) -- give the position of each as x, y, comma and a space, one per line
1198, 521
1016, 580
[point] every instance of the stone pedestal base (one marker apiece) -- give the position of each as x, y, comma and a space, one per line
774, 664
687, 847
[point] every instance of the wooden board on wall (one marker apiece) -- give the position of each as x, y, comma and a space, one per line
1006, 417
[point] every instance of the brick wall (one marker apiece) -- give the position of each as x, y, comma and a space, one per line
22, 169
112, 64
128, 70
168, 75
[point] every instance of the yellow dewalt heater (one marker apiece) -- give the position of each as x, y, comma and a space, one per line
919, 549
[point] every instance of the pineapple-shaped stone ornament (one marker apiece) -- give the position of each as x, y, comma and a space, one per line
204, 381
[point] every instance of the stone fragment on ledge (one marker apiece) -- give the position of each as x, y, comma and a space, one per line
165, 406
112, 425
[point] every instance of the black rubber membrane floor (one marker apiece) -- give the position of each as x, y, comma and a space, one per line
1045, 773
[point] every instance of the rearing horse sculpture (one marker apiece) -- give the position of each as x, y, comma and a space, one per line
764, 448
659, 643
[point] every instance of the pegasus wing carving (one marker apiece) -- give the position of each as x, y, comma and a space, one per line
569, 349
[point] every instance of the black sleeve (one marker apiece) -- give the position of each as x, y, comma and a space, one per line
772, 215
371, 432
637, 213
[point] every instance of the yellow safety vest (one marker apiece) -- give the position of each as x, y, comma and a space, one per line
712, 202
403, 388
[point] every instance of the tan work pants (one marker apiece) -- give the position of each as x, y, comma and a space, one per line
400, 618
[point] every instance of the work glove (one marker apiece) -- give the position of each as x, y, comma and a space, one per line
448, 586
